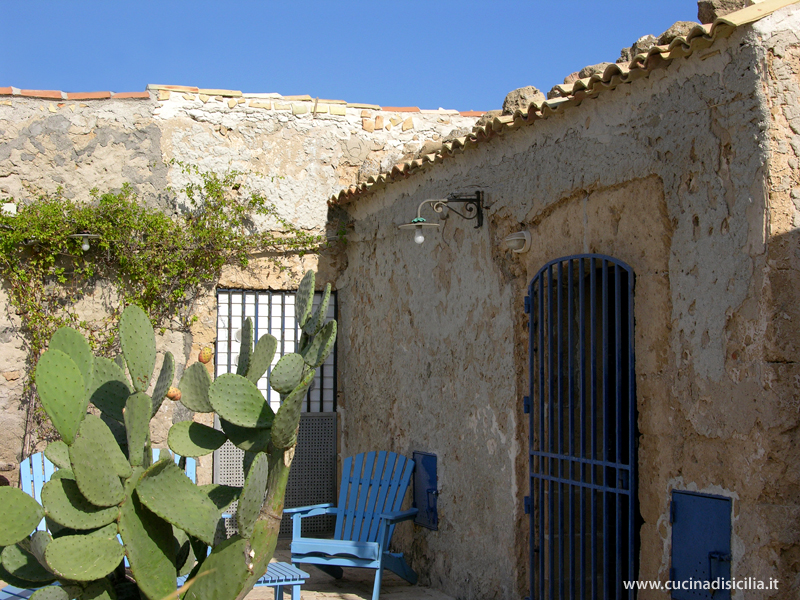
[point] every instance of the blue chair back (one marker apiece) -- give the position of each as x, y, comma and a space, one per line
372, 483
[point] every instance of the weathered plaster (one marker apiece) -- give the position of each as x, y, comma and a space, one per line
675, 175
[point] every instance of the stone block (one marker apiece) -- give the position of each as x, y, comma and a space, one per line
408, 124
282, 106
708, 10
395, 121
260, 104
299, 109
232, 103
188, 96
366, 106
204, 98
320, 109
379, 122
224, 93
368, 125
163, 95
241, 101
338, 109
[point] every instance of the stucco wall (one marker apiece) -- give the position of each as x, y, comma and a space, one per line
671, 175
297, 152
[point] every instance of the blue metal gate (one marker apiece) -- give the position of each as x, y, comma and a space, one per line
582, 437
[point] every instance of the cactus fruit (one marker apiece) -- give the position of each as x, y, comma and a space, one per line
106, 490
205, 356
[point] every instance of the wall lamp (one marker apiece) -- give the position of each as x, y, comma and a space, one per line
472, 207
86, 237
518, 242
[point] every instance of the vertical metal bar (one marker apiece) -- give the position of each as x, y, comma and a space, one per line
541, 434
571, 423
618, 419
560, 400
582, 343
551, 427
531, 457
335, 298
269, 330
255, 322
230, 330
297, 335
606, 393
593, 413
632, 459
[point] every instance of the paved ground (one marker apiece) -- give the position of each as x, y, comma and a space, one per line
355, 585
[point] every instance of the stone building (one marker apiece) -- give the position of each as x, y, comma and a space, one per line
662, 397
650, 374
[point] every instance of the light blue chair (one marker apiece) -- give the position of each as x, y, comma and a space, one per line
370, 497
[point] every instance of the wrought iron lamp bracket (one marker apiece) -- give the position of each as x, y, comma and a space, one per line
472, 207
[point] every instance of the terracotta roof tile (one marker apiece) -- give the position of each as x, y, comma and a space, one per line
52, 94
699, 38
88, 95
123, 95
6, 91
472, 113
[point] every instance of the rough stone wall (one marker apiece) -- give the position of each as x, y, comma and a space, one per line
298, 151
690, 177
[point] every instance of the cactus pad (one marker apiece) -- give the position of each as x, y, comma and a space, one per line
138, 346
237, 399
284, 429
110, 388
305, 298
194, 388
249, 439
58, 453
262, 357
98, 463
62, 391
74, 345
21, 515
101, 589
321, 346
65, 505
19, 561
63, 474
287, 373
84, 557
51, 592
252, 496
227, 572
169, 493
138, 410
150, 548
164, 381
316, 321
245, 348
39, 541
221, 495
188, 438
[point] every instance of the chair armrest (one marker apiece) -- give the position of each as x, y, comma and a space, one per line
305, 509
395, 517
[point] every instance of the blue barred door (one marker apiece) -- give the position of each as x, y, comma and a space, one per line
582, 437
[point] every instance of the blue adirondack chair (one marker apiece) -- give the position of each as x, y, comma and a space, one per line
370, 496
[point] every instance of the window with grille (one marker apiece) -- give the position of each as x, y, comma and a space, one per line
312, 479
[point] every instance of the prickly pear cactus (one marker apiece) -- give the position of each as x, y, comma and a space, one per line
109, 502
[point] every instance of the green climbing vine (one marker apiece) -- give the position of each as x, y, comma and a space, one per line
151, 259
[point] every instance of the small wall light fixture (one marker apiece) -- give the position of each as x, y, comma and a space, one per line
519, 242
472, 207
86, 237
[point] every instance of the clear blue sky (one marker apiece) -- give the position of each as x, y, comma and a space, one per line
463, 54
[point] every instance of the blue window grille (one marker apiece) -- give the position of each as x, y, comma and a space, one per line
582, 436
